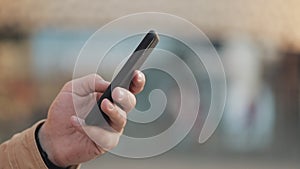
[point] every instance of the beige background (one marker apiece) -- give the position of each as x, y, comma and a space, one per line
275, 20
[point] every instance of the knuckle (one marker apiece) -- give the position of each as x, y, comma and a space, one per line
68, 85
93, 75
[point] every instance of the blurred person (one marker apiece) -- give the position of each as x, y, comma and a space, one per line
249, 114
61, 140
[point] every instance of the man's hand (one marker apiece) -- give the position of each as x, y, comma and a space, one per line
63, 135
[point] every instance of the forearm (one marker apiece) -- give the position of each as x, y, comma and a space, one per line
21, 151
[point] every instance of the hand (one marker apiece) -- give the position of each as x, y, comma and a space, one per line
63, 136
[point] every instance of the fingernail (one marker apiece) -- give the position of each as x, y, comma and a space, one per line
110, 106
140, 77
121, 95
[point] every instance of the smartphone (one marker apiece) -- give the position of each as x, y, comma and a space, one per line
125, 75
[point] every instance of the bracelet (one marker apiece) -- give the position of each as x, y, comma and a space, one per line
44, 155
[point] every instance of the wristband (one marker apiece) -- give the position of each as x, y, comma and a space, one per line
44, 155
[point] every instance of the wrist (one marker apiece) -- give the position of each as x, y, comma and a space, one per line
46, 150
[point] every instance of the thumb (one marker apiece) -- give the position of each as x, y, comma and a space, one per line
85, 85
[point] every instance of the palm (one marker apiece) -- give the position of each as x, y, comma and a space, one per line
73, 141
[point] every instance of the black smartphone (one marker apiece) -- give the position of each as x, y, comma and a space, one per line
125, 75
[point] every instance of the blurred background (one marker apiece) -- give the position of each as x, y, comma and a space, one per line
258, 42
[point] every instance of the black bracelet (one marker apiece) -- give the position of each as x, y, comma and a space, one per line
44, 155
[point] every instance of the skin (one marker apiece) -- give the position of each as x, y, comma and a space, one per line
65, 137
